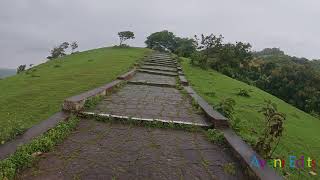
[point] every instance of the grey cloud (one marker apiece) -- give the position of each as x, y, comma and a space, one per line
30, 28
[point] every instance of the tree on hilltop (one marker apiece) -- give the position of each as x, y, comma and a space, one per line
125, 35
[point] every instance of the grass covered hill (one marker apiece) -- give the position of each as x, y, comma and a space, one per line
34, 95
301, 134
6, 72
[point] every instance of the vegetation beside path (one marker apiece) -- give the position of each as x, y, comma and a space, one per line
26, 154
300, 136
34, 95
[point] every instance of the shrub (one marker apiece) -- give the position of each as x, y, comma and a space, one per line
24, 155
243, 92
215, 136
226, 107
21, 69
269, 139
92, 102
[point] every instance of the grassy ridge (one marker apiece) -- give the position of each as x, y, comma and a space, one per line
30, 97
301, 136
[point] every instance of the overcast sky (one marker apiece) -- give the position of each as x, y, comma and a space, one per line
30, 28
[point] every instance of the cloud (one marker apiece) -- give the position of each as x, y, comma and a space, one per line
30, 28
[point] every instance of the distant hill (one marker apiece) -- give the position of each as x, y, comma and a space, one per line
7, 72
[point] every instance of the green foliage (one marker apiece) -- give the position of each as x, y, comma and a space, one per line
29, 101
226, 107
269, 51
301, 129
74, 45
185, 47
272, 133
24, 155
167, 41
243, 92
21, 69
229, 168
92, 102
223, 57
125, 35
215, 136
58, 51
161, 41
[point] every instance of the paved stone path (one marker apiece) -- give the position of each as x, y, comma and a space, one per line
105, 151
116, 151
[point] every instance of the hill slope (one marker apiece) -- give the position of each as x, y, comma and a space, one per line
6, 72
301, 136
32, 96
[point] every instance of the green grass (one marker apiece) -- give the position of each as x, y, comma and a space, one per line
28, 98
26, 154
302, 131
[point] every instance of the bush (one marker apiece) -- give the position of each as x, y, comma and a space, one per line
226, 107
243, 92
200, 59
269, 139
21, 69
25, 154
215, 136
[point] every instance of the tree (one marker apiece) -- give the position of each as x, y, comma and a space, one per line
185, 47
162, 41
64, 45
125, 35
21, 68
58, 51
74, 45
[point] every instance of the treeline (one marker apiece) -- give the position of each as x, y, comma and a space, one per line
295, 80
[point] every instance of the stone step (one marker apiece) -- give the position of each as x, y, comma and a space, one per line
158, 72
118, 117
160, 61
160, 64
160, 68
159, 84
166, 59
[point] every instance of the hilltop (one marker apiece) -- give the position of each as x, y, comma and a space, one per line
34, 95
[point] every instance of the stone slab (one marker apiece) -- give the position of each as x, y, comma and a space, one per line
218, 119
151, 102
160, 68
183, 80
99, 150
127, 75
152, 78
77, 102
245, 153
160, 64
164, 73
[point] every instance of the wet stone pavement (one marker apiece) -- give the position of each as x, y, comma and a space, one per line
97, 150
152, 78
152, 102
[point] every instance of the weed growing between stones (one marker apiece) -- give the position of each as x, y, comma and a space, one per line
215, 136
229, 168
93, 102
26, 154
150, 124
